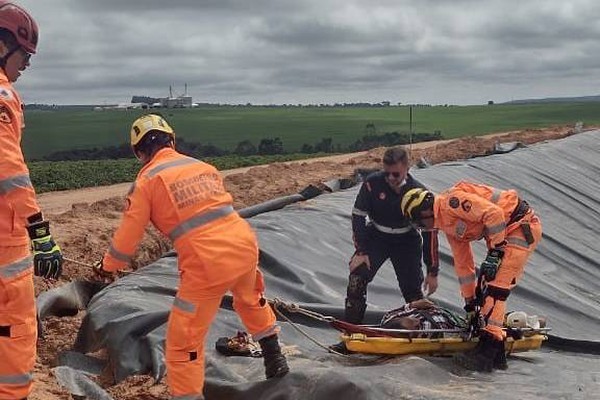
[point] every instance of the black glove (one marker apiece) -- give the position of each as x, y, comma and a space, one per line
470, 310
47, 257
489, 266
475, 321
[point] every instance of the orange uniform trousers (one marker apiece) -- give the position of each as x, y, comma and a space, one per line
205, 277
511, 269
18, 326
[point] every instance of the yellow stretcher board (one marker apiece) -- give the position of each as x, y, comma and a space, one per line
362, 343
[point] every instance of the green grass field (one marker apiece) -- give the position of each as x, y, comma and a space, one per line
225, 127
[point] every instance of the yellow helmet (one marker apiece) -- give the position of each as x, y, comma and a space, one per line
148, 123
415, 201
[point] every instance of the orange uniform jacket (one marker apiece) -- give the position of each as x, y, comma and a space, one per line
186, 200
17, 196
217, 251
468, 212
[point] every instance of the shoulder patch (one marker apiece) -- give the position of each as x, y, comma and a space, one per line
382, 196
5, 115
454, 202
466, 205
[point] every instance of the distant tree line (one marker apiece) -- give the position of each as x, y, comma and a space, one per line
266, 146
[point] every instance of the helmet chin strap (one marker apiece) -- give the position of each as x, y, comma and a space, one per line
5, 58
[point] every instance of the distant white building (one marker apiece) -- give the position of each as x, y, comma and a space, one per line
183, 101
177, 102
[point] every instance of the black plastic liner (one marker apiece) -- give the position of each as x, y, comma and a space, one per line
305, 247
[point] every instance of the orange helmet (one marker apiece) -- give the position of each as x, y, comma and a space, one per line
18, 21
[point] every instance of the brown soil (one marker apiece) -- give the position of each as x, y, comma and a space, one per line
83, 221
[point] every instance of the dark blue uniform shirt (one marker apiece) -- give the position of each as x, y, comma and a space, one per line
381, 204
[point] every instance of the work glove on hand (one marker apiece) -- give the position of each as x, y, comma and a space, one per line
359, 260
47, 257
471, 311
475, 320
489, 266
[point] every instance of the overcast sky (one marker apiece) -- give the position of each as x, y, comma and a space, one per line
313, 51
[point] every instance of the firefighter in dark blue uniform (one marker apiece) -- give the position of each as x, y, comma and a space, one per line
388, 235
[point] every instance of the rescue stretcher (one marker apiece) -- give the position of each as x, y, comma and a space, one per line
361, 343
374, 340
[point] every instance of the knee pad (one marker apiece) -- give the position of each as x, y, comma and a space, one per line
497, 293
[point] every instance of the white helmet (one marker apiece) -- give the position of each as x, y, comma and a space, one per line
516, 319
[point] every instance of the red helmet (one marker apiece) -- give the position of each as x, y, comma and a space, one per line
18, 21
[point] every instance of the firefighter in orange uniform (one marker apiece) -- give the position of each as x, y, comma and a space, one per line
22, 227
468, 212
217, 251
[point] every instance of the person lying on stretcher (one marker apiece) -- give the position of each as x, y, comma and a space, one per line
424, 315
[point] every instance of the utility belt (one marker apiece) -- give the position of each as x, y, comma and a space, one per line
392, 231
520, 211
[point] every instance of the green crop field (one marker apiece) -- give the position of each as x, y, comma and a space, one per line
226, 126
49, 176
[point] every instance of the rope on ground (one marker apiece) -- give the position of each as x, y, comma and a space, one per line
77, 262
91, 266
294, 308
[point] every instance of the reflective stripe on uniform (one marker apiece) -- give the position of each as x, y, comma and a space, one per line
19, 181
188, 397
16, 379
170, 164
199, 220
131, 189
463, 280
491, 230
360, 213
15, 268
393, 231
184, 305
517, 241
117, 255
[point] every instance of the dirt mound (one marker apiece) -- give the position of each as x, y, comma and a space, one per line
84, 232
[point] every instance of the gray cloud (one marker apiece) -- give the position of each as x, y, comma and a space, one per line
308, 51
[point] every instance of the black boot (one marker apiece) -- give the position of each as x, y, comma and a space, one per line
500, 359
354, 311
482, 357
275, 362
